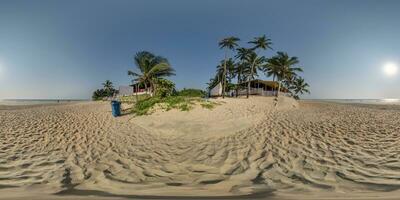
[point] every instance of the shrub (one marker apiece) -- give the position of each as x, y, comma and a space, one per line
192, 93
164, 88
99, 94
143, 106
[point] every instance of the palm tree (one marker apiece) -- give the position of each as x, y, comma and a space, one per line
259, 43
228, 43
151, 67
283, 67
254, 62
271, 70
224, 77
299, 86
108, 85
242, 55
108, 88
230, 70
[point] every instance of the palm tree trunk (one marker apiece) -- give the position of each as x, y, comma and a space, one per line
273, 80
279, 88
224, 77
238, 84
248, 88
145, 87
250, 78
251, 75
153, 88
136, 89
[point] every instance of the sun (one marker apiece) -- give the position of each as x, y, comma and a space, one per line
390, 69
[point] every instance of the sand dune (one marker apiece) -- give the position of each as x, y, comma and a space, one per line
242, 147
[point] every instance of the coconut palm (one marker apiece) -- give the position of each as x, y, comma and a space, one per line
108, 88
228, 43
151, 67
254, 62
271, 70
261, 43
230, 70
283, 67
108, 85
299, 86
221, 76
258, 43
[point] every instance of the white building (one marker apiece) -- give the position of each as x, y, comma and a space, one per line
217, 90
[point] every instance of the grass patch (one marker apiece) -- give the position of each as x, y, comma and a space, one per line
147, 105
191, 93
144, 106
208, 105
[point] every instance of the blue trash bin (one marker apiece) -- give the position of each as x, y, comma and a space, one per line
116, 108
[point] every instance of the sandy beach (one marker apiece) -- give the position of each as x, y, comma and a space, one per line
245, 149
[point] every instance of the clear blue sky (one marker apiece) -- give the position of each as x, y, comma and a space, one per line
66, 49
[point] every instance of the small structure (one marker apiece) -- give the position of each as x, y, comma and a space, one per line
125, 90
257, 87
216, 91
134, 89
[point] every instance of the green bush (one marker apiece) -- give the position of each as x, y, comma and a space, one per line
164, 88
143, 106
107, 91
183, 100
100, 94
192, 93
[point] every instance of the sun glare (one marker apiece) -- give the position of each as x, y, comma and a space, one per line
390, 69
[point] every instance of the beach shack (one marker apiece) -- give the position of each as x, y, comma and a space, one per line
257, 87
125, 90
136, 88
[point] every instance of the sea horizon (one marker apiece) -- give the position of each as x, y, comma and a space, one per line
22, 102
381, 101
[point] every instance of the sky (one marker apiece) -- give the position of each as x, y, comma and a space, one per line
66, 49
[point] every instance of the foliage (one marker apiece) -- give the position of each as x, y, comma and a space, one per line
282, 67
143, 107
183, 101
189, 92
151, 68
208, 104
228, 43
298, 86
164, 87
261, 43
107, 91
99, 94
246, 68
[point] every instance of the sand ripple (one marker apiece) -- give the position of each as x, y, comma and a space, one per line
314, 147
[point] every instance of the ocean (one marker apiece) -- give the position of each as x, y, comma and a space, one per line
23, 102
364, 101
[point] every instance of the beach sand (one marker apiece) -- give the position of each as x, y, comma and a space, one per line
241, 149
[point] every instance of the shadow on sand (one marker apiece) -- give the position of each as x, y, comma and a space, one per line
267, 195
